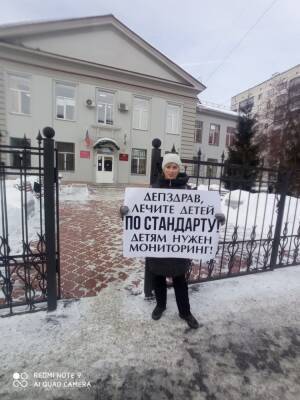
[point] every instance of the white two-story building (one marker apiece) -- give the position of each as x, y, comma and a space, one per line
106, 92
215, 129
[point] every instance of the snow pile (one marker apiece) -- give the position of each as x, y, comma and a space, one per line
245, 210
16, 216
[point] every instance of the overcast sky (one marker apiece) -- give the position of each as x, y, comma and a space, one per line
229, 45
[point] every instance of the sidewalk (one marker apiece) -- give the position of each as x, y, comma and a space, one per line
91, 241
248, 346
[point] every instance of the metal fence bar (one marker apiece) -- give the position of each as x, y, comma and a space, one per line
283, 184
57, 224
4, 246
50, 217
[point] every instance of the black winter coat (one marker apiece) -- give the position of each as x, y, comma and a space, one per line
169, 266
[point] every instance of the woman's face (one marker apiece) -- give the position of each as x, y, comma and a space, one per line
171, 171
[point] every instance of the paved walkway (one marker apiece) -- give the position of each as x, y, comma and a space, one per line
91, 244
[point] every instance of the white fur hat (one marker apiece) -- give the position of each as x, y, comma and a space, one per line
171, 158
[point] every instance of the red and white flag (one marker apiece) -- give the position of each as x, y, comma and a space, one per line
88, 141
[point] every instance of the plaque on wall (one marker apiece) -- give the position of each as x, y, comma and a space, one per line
85, 154
123, 157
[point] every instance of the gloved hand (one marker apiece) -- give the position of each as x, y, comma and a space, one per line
220, 217
123, 211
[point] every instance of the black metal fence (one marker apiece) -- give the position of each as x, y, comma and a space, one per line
261, 206
29, 232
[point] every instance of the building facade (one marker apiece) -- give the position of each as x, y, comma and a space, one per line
272, 102
106, 92
259, 95
215, 128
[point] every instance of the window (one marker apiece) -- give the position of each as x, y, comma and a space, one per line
65, 101
19, 94
214, 135
211, 171
198, 131
173, 119
295, 84
140, 114
247, 104
66, 156
281, 85
230, 135
105, 107
138, 161
15, 157
281, 99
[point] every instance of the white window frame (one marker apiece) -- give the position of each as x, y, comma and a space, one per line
98, 89
64, 153
19, 92
198, 129
140, 110
66, 101
214, 135
137, 173
176, 128
229, 139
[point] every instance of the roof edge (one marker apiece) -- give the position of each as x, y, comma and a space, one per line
266, 80
15, 29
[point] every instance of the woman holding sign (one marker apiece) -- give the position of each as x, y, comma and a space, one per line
161, 268
176, 268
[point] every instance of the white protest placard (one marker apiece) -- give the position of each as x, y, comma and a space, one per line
171, 223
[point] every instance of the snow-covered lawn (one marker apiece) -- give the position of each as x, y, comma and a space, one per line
248, 345
35, 220
245, 209
15, 216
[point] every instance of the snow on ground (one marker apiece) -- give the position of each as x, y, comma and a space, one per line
76, 193
15, 215
245, 209
248, 345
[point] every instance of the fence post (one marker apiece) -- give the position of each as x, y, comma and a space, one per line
49, 205
155, 170
283, 179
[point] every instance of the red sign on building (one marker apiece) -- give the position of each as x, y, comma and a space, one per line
85, 154
123, 157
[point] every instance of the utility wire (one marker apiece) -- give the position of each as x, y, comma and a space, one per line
242, 39
230, 25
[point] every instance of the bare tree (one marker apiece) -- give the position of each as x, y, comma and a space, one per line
279, 123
